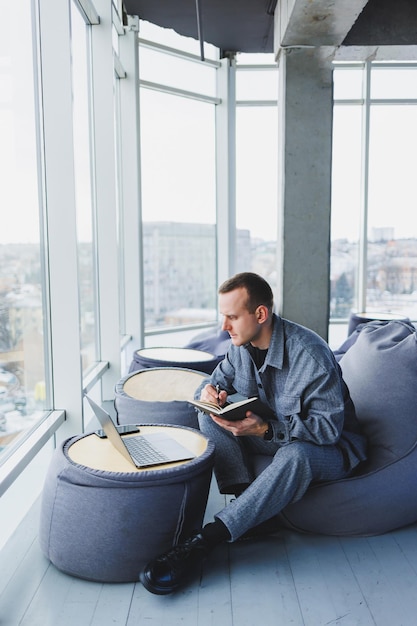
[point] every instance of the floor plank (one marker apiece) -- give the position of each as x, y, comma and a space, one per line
113, 604
386, 579
64, 600
262, 583
326, 589
23, 584
18, 546
406, 539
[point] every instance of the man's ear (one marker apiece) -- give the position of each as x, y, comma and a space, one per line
262, 313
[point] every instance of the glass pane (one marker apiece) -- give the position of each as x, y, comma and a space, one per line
393, 82
169, 37
22, 285
122, 260
255, 58
257, 84
83, 159
256, 190
159, 67
392, 223
346, 208
179, 209
348, 83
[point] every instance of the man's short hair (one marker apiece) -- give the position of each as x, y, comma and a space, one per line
258, 290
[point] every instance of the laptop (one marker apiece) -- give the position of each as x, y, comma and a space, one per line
142, 450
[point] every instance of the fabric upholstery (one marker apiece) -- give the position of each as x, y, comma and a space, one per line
380, 369
158, 396
188, 358
356, 319
105, 526
215, 341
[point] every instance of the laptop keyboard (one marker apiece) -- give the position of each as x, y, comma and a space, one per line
143, 451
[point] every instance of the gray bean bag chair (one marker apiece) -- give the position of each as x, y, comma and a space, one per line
214, 341
380, 369
356, 319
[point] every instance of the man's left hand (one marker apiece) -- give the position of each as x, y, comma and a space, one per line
252, 425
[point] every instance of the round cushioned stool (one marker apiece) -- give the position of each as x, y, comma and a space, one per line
103, 520
363, 318
214, 341
173, 357
158, 395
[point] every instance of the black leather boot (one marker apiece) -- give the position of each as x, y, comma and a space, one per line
169, 571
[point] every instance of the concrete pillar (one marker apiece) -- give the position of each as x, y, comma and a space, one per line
305, 140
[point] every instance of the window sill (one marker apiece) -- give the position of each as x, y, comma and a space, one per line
14, 464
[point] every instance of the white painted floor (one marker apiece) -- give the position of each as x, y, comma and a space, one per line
285, 579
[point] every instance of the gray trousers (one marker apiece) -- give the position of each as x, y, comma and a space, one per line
292, 469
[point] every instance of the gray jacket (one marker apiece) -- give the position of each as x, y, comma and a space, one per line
302, 383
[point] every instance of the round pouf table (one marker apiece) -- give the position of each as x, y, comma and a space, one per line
103, 520
158, 395
187, 358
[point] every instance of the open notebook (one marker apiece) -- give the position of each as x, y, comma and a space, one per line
142, 450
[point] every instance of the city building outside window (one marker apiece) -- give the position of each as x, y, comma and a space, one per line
179, 177
178, 185
23, 348
257, 163
374, 191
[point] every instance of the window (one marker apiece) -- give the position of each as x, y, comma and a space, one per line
346, 209
178, 201
256, 164
178, 171
374, 233
47, 235
392, 226
157, 66
23, 349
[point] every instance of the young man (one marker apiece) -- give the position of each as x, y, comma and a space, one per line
315, 435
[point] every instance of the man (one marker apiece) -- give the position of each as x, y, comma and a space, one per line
315, 436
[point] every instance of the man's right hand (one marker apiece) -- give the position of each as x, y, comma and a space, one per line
209, 394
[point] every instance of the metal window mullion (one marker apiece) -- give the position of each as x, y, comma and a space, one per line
94, 375
117, 20
131, 223
105, 193
263, 67
378, 102
226, 169
186, 56
88, 11
392, 102
376, 65
174, 91
363, 235
119, 70
257, 103
60, 211
14, 464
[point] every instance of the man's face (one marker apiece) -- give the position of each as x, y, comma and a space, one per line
242, 326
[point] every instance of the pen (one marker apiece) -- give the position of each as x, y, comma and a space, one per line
218, 392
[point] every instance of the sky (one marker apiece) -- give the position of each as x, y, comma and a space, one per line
392, 198
179, 159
